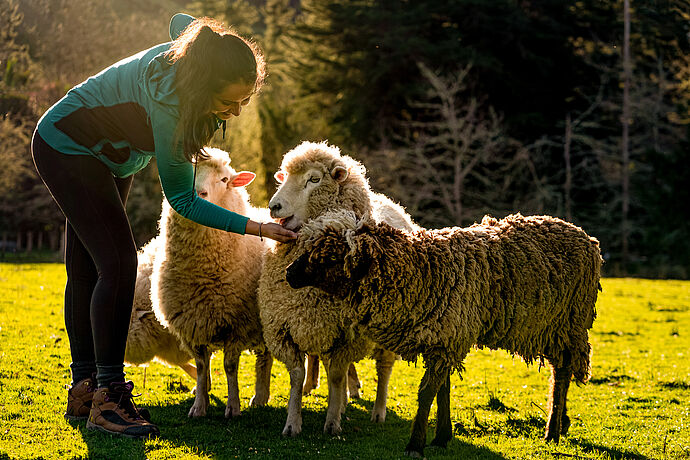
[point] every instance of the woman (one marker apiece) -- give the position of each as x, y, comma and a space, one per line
166, 102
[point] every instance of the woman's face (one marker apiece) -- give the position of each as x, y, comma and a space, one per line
229, 101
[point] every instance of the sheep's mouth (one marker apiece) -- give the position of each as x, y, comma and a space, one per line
290, 223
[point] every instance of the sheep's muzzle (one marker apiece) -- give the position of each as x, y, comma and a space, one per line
296, 273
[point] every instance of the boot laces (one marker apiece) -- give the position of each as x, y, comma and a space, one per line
126, 401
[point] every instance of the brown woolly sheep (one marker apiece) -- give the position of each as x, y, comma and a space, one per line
203, 286
524, 284
316, 178
147, 338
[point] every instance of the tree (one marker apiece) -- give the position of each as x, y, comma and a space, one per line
450, 163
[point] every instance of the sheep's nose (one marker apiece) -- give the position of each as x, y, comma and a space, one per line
296, 273
274, 208
202, 193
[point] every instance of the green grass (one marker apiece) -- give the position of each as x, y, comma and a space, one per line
636, 406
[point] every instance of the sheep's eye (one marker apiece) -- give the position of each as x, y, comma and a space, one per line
224, 180
315, 179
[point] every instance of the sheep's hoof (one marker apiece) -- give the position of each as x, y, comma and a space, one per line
290, 431
197, 411
232, 412
440, 442
259, 400
552, 437
378, 417
332, 428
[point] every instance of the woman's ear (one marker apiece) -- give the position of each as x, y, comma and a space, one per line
242, 178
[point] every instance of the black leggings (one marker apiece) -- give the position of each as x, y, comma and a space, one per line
100, 258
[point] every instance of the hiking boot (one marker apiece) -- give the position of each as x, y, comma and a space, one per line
114, 412
79, 399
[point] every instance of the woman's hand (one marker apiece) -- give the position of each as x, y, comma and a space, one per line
270, 230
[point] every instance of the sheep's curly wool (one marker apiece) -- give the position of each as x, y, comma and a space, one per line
204, 283
147, 338
309, 320
203, 288
524, 284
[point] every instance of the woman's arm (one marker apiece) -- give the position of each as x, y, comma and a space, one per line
177, 175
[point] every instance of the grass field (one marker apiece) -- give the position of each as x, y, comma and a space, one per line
637, 404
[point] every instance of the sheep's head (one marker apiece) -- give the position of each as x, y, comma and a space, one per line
336, 254
215, 177
314, 177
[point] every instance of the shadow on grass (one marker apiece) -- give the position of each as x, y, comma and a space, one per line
101, 445
613, 453
675, 385
531, 426
612, 379
257, 434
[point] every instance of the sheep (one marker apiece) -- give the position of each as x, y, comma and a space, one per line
315, 178
147, 338
528, 285
204, 282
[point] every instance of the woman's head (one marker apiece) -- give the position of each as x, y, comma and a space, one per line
217, 73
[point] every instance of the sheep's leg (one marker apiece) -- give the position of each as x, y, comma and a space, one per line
353, 384
444, 429
262, 385
384, 367
560, 381
427, 392
202, 357
337, 375
293, 424
189, 369
312, 381
231, 361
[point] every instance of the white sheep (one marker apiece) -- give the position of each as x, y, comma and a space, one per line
527, 285
204, 284
316, 178
147, 338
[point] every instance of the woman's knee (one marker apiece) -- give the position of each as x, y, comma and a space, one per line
121, 267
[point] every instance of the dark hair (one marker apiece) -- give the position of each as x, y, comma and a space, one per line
209, 57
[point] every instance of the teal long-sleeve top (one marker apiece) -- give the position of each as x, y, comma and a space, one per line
128, 113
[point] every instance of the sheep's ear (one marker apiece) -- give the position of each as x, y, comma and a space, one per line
280, 176
339, 173
242, 178
357, 264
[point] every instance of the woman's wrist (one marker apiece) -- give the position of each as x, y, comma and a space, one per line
252, 228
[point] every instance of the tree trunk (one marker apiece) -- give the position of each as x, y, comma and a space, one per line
53, 240
39, 243
625, 152
29, 241
19, 241
568, 170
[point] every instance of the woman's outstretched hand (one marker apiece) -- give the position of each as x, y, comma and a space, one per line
270, 230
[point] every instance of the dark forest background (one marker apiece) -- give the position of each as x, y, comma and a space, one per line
460, 108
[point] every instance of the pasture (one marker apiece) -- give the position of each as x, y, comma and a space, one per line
636, 406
